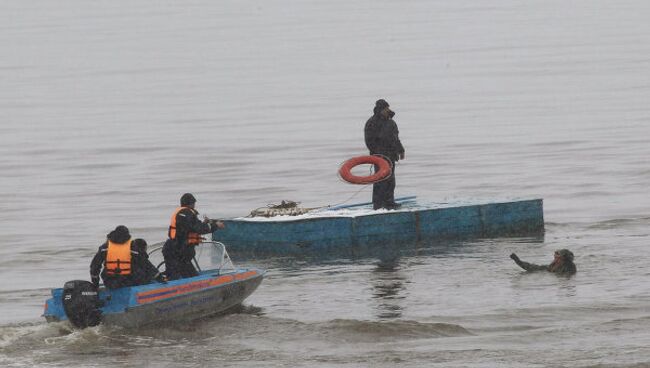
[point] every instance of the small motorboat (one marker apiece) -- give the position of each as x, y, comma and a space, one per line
213, 291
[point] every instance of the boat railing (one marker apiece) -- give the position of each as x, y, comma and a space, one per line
211, 254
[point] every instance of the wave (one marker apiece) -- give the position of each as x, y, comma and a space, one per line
26, 334
610, 224
620, 223
59, 342
373, 330
631, 365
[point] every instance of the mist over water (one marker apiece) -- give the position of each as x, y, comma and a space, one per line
110, 111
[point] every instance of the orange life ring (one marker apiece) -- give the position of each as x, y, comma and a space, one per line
381, 174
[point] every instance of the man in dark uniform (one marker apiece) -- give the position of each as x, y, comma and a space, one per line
562, 263
144, 272
122, 263
184, 234
382, 138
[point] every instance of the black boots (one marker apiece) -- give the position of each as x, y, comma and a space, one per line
388, 206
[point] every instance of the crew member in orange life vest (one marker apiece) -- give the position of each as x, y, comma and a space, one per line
122, 263
184, 234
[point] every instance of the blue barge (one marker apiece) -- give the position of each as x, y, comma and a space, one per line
358, 226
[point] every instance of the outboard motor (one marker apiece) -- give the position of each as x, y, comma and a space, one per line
81, 303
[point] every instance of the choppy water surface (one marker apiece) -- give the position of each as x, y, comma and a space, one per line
109, 111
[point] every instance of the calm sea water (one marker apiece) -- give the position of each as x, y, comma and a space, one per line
110, 110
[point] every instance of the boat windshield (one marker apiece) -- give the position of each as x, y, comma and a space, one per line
210, 255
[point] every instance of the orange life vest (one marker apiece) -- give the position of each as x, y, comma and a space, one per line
118, 259
192, 238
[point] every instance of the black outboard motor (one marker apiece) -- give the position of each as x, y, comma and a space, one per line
81, 303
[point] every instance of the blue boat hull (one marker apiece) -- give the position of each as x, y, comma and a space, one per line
410, 225
179, 300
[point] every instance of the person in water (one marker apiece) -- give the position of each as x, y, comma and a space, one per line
184, 234
122, 263
382, 138
562, 263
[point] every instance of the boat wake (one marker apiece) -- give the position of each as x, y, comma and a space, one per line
336, 330
380, 330
229, 337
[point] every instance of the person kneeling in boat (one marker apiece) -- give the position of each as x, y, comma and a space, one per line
562, 263
184, 234
122, 263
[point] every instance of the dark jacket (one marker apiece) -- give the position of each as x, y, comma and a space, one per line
187, 221
142, 270
382, 137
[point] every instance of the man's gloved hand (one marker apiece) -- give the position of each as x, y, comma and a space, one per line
514, 257
95, 282
161, 278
